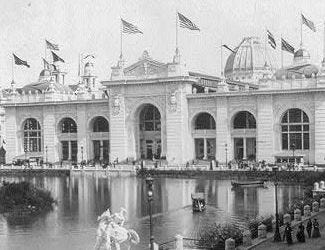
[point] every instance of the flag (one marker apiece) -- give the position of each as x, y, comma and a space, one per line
56, 58
92, 56
130, 28
184, 22
271, 39
51, 46
224, 45
286, 46
18, 61
46, 64
308, 23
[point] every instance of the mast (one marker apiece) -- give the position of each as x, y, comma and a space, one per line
176, 23
221, 59
121, 40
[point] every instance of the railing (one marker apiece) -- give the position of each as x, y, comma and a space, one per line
188, 243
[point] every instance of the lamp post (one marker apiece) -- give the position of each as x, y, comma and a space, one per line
277, 236
149, 182
293, 147
226, 149
46, 159
82, 154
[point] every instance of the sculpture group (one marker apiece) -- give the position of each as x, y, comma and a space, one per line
111, 232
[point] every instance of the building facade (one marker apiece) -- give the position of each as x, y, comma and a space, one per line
153, 110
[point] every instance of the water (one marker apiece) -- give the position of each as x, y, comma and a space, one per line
82, 197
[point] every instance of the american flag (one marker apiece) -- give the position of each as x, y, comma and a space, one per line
271, 39
129, 28
51, 46
56, 58
18, 61
184, 22
308, 23
287, 47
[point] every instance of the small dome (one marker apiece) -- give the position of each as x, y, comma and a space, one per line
89, 68
45, 72
301, 56
297, 72
249, 61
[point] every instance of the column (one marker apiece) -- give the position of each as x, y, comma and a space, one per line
244, 148
49, 134
118, 130
69, 144
101, 157
265, 132
82, 131
317, 133
222, 132
11, 133
205, 149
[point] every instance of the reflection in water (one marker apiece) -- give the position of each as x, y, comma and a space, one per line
82, 197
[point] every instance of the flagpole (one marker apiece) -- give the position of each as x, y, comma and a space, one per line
281, 53
176, 22
265, 37
12, 68
300, 29
221, 61
121, 28
45, 50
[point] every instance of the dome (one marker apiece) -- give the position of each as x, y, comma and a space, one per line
297, 72
249, 61
301, 56
301, 53
43, 86
89, 68
45, 72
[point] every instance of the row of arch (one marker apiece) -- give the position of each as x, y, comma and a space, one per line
294, 127
242, 120
33, 132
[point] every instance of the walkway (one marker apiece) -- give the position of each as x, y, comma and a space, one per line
311, 244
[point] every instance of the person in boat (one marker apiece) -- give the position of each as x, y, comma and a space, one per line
309, 228
316, 232
287, 234
301, 233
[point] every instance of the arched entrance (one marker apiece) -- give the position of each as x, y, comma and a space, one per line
204, 133
99, 135
244, 136
150, 132
68, 139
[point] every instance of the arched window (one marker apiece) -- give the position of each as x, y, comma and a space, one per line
100, 125
244, 120
150, 118
68, 125
32, 136
205, 121
295, 130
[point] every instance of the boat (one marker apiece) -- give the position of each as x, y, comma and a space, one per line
247, 183
198, 202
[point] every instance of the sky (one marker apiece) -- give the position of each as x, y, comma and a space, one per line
93, 26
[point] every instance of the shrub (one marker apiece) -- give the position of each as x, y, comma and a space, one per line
23, 197
217, 234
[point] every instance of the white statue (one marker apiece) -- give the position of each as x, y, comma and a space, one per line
110, 232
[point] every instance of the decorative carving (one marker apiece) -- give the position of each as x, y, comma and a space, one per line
116, 105
173, 101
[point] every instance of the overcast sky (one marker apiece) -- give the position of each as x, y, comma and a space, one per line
93, 26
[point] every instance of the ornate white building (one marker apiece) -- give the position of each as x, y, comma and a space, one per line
159, 110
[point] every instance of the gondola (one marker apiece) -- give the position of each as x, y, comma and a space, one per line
198, 202
247, 184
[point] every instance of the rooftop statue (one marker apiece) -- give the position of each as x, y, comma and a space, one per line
112, 233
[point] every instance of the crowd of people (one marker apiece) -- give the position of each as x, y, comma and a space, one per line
312, 229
